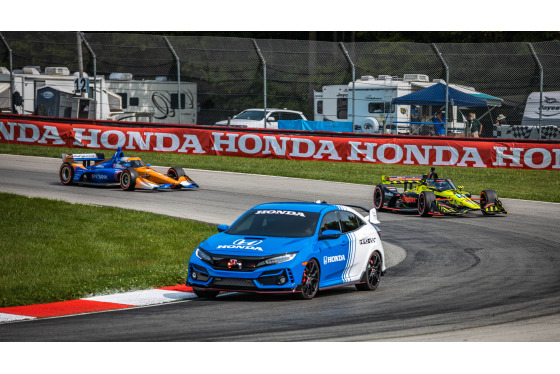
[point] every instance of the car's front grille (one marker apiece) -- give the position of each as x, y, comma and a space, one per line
234, 282
236, 263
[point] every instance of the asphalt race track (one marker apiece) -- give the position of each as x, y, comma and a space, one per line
468, 278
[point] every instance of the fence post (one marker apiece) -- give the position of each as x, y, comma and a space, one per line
541, 87
264, 77
94, 80
347, 55
178, 74
11, 74
446, 86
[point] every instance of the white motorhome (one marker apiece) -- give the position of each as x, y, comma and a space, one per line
373, 106
52, 93
154, 100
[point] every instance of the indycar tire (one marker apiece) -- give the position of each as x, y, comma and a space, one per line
378, 197
66, 173
372, 275
487, 197
175, 173
425, 201
310, 281
128, 179
207, 294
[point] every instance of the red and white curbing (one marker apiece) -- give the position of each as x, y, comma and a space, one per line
98, 303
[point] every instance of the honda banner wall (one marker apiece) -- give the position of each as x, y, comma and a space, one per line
382, 150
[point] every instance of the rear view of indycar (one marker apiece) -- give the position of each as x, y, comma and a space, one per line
429, 195
129, 172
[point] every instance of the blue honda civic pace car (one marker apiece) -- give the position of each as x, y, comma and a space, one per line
293, 247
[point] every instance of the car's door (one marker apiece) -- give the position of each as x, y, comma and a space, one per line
360, 236
333, 251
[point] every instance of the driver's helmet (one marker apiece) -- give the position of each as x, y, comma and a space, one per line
439, 184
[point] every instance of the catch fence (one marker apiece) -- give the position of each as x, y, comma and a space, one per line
214, 78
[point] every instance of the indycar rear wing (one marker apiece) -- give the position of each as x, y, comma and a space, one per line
77, 157
408, 181
386, 179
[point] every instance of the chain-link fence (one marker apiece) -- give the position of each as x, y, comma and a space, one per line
201, 79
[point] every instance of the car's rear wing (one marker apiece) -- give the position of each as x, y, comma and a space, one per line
77, 157
404, 179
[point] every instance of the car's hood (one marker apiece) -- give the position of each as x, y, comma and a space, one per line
459, 198
241, 245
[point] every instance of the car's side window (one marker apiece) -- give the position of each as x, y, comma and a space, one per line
350, 221
330, 222
291, 116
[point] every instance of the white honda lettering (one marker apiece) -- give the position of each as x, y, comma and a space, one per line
284, 212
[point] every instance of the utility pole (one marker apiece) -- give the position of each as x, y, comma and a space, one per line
80, 58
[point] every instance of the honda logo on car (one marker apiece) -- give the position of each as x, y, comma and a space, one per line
242, 244
329, 259
286, 212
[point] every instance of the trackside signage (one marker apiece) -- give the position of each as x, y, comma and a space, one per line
438, 152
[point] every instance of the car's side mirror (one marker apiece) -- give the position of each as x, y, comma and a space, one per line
148, 164
222, 228
373, 217
330, 234
460, 188
271, 119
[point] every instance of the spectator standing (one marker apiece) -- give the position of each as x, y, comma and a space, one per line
474, 125
501, 120
414, 114
439, 123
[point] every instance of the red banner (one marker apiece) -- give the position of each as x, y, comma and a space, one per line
382, 150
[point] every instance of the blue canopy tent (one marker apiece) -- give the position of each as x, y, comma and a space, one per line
436, 95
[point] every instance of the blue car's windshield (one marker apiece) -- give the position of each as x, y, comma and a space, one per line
255, 115
275, 222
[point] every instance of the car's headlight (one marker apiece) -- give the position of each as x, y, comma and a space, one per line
201, 253
278, 259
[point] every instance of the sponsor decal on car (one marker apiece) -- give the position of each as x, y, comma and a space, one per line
286, 212
243, 244
367, 241
330, 259
408, 199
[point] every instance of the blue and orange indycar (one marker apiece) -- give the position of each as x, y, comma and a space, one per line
430, 195
129, 172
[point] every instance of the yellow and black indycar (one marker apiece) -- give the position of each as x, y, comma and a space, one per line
430, 195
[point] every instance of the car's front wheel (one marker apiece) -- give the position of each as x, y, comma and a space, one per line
487, 197
425, 201
373, 273
128, 179
175, 173
208, 294
310, 280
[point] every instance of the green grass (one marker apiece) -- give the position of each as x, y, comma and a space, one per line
53, 251
543, 185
